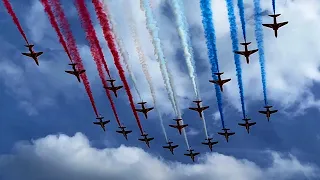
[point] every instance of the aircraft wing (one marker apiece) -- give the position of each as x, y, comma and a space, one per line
240, 52
253, 123
119, 131
166, 147
196, 154
175, 146
96, 123
221, 133
185, 125
253, 51
213, 81
194, 109
27, 54
240, 124
232, 133
139, 110
82, 71
105, 122
38, 54
150, 139
141, 139
263, 112
282, 23
149, 109
187, 154
174, 126
225, 80
204, 108
70, 72
274, 111
268, 25
119, 87
205, 143
127, 132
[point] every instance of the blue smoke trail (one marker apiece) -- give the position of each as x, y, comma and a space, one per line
242, 19
209, 32
234, 38
259, 39
274, 6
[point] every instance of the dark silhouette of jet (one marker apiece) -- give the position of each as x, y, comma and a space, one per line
101, 122
220, 82
75, 72
34, 55
247, 124
146, 139
124, 132
170, 147
268, 112
199, 109
144, 110
192, 154
246, 53
178, 126
209, 143
113, 88
226, 134
275, 26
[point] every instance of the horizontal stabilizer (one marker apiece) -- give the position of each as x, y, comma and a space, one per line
274, 15
142, 102
218, 73
245, 43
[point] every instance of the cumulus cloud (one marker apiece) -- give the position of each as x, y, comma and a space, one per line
62, 157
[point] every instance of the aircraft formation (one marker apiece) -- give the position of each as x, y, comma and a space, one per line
79, 73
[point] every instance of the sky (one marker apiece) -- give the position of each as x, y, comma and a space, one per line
46, 129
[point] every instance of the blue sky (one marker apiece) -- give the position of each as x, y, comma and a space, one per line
39, 103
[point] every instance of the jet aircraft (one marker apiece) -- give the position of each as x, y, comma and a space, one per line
124, 132
75, 72
199, 109
146, 139
247, 124
220, 81
226, 134
268, 112
144, 110
34, 55
246, 53
101, 122
113, 88
210, 143
170, 147
275, 26
178, 126
192, 154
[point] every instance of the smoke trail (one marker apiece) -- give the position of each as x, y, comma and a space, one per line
242, 19
15, 19
55, 26
274, 6
259, 39
209, 33
65, 27
104, 22
183, 31
124, 54
234, 38
95, 49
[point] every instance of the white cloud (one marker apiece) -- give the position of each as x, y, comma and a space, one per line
62, 157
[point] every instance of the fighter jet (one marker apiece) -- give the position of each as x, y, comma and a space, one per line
144, 110
124, 132
113, 88
246, 53
170, 147
146, 139
268, 112
247, 124
192, 154
75, 72
275, 26
178, 126
199, 108
34, 55
209, 143
101, 123
220, 82
226, 134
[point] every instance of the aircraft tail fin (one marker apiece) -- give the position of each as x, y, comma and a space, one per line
274, 15
245, 43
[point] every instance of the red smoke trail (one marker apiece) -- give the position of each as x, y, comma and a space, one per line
55, 26
15, 19
64, 25
95, 48
104, 22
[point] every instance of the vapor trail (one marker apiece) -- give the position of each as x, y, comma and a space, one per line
153, 30
183, 31
242, 19
209, 32
235, 47
124, 54
274, 6
259, 39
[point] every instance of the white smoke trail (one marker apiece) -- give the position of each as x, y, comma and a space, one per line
153, 31
182, 25
145, 70
124, 54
